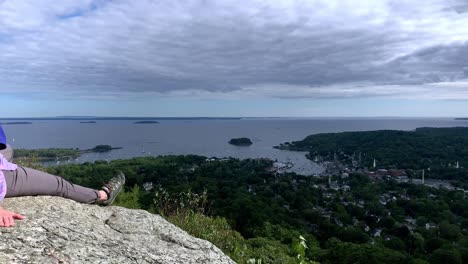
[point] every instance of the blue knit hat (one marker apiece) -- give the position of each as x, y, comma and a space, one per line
2, 139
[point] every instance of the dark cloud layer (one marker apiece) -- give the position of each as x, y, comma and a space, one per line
282, 49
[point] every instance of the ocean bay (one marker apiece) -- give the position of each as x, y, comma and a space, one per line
198, 136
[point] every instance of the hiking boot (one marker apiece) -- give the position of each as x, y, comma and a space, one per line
113, 187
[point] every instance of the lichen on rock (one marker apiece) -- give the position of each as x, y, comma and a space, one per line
58, 230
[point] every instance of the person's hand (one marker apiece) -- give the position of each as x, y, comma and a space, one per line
7, 218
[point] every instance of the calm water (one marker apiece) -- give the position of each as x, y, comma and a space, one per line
202, 137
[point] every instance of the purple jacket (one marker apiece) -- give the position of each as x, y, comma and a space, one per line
3, 141
4, 165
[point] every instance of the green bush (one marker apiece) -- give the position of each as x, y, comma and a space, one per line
129, 199
214, 229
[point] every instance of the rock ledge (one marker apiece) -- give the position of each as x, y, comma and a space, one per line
57, 230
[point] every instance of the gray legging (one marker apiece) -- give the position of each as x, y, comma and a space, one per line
27, 181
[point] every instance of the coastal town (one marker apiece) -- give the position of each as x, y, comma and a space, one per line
337, 168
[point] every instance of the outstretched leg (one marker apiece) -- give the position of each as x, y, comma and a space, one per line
27, 181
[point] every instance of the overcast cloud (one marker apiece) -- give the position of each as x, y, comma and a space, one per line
225, 48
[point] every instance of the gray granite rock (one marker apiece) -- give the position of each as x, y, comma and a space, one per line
58, 230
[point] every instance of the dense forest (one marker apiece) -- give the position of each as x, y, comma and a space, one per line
258, 216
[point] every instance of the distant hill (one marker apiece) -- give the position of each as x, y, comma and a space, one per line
119, 118
16, 123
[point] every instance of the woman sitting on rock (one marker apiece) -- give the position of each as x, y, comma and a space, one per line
19, 181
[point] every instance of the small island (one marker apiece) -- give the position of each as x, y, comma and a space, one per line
99, 148
88, 122
462, 118
241, 141
146, 122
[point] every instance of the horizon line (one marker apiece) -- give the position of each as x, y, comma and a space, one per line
210, 117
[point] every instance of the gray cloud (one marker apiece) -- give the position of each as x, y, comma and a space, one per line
282, 49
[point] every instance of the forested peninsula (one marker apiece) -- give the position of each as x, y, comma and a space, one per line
442, 152
59, 153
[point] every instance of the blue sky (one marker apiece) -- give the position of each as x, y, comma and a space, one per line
300, 58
